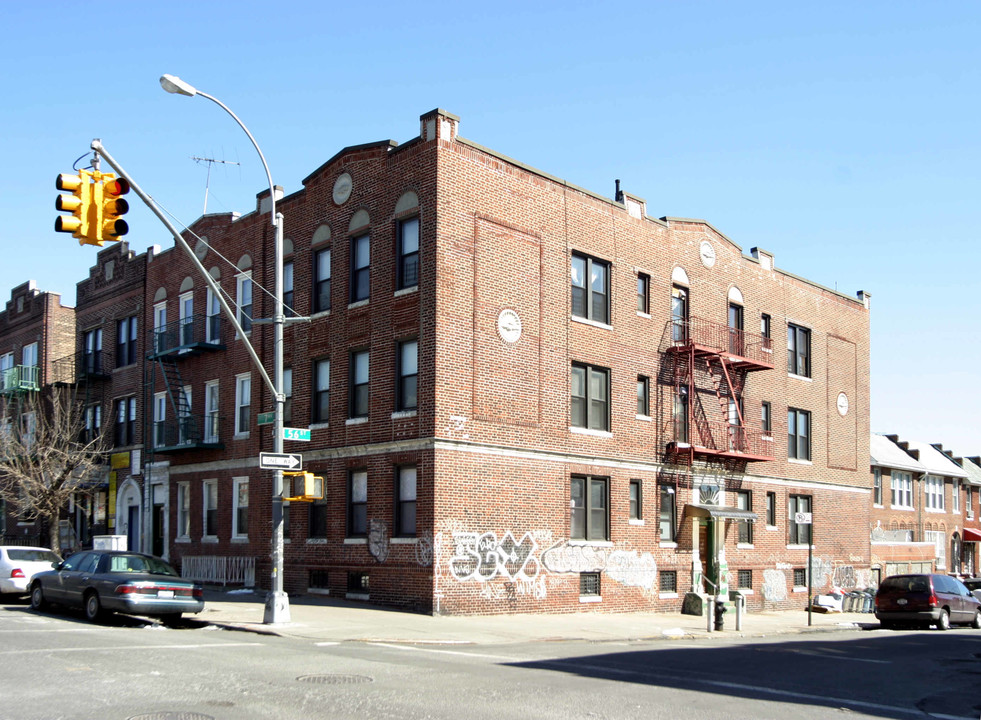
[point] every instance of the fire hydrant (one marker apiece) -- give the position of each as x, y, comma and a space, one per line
720, 611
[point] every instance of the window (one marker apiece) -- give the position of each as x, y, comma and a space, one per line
243, 403
643, 395
679, 314
636, 508
667, 514
590, 397
766, 417
185, 305
243, 289
744, 501
321, 391
288, 392
211, 406
406, 394
771, 509
407, 267
125, 431
126, 341
800, 534
183, 510
359, 384
288, 290
798, 434
590, 516
212, 326
744, 579
933, 486
92, 352
318, 519
800, 577
240, 507
321, 281
798, 350
877, 486
209, 502
360, 268
668, 581
955, 496
591, 301
159, 418
357, 503
643, 293
405, 501
589, 584
901, 487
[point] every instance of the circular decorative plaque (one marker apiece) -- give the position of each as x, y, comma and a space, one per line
707, 253
842, 404
342, 188
509, 326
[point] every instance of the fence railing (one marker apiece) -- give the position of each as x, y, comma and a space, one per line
216, 570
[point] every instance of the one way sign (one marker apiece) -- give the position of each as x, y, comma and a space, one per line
280, 461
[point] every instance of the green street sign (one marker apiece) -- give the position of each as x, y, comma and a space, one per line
296, 434
267, 418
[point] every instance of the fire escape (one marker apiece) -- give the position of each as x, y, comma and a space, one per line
713, 359
178, 429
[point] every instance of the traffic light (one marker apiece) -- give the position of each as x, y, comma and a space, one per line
112, 227
305, 486
79, 204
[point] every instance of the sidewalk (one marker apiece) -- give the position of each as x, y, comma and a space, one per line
326, 619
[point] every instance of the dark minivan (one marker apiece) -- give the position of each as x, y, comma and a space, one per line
926, 600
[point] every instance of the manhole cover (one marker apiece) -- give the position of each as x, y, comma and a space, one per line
335, 679
171, 716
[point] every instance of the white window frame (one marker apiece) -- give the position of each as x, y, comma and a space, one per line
183, 529
237, 485
900, 490
243, 398
933, 493
209, 491
212, 408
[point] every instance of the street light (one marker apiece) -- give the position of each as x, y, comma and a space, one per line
277, 601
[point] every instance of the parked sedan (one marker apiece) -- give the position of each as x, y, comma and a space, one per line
938, 600
113, 581
19, 564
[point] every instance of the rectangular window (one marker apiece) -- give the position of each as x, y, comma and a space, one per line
800, 534
798, 434
590, 397
211, 406
800, 577
243, 403
92, 352
244, 300
771, 509
321, 391
405, 501
590, 514
288, 392
667, 515
212, 326
357, 503
744, 579
766, 417
321, 281
288, 290
589, 584
126, 341
877, 486
240, 508
901, 490
183, 510
668, 581
590, 288
744, 501
159, 420
643, 395
318, 519
407, 267
643, 293
636, 509
933, 487
406, 394
360, 268
209, 503
798, 350
359, 384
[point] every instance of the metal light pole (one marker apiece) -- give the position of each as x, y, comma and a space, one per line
277, 601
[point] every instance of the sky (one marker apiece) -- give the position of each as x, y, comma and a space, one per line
841, 137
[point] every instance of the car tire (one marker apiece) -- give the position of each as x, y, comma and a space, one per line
172, 620
977, 620
943, 622
38, 601
93, 606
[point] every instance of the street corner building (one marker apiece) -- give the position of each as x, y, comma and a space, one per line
522, 395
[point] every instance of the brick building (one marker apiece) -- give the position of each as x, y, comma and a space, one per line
522, 395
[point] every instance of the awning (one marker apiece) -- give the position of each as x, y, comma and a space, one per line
972, 535
720, 512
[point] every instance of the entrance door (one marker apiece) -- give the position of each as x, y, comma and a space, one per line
133, 528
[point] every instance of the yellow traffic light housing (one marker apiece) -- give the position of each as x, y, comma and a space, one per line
305, 486
79, 204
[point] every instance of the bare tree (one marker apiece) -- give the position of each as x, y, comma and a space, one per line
49, 451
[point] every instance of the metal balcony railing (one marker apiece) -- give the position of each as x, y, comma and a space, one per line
192, 333
720, 438
188, 432
20, 378
707, 336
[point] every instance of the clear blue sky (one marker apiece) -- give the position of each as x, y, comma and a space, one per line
842, 137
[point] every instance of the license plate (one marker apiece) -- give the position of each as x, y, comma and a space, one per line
165, 593
902, 601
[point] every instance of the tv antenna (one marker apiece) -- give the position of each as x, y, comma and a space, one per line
207, 184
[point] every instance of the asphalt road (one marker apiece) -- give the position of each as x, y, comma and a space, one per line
55, 665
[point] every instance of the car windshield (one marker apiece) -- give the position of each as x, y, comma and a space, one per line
140, 564
906, 583
31, 555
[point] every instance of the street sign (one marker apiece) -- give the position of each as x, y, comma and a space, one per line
280, 461
302, 434
802, 518
266, 418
